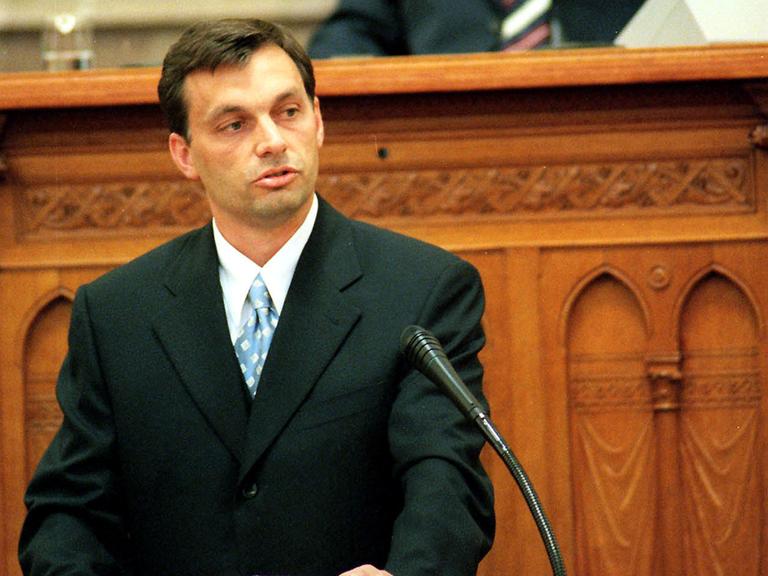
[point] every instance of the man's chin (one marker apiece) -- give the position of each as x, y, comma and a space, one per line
279, 207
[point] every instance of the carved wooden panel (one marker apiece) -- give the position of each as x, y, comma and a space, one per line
606, 189
721, 455
665, 352
612, 431
111, 208
44, 351
599, 188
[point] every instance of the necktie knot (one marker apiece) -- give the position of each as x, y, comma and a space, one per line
259, 295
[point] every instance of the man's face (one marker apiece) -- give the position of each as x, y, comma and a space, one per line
254, 137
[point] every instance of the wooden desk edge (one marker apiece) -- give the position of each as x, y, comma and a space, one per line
419, 74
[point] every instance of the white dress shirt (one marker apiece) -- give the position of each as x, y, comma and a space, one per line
237, 272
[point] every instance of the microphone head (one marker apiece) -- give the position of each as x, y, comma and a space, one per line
408, 338
419, 346
425, 353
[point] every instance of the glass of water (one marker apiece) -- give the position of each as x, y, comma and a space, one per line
67, 42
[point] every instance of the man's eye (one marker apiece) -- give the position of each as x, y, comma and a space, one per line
291, 112
234, 126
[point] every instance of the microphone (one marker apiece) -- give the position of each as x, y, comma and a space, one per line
423, 351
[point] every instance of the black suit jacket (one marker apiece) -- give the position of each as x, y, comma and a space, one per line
346, 456
397, 27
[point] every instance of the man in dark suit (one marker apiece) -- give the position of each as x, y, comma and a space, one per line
399, 27
179, 454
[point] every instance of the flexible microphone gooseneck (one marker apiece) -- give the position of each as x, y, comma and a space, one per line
424, 352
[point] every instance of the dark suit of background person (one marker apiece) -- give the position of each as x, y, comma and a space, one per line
399, 27
164, 466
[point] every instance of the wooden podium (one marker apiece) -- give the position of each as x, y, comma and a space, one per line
615, 203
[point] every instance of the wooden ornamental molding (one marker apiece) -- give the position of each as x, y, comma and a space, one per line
605, 190
118, 207
727, 378
610, 393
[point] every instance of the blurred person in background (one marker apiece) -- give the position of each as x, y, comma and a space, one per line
400, 27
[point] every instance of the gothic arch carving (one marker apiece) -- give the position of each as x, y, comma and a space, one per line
582, 285
729, 275
41, 350
39, 305
720, 420
612, 436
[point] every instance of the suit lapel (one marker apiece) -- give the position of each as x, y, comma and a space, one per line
314, 322
193, 331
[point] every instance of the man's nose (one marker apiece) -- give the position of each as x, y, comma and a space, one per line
269, 138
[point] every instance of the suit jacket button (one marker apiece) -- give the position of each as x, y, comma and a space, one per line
250, 491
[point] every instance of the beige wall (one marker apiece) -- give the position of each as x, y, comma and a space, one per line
137, 32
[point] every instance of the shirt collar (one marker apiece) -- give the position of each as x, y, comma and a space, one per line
237, 272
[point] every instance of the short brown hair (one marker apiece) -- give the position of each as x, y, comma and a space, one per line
226, 42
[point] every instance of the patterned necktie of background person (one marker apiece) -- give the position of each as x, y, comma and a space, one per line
253, 342
526, 25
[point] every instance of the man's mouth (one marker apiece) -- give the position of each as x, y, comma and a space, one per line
276, 178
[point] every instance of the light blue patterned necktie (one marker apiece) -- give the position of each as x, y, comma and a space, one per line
253, 342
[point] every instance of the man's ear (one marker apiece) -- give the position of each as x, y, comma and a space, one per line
318, 122
182, 156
